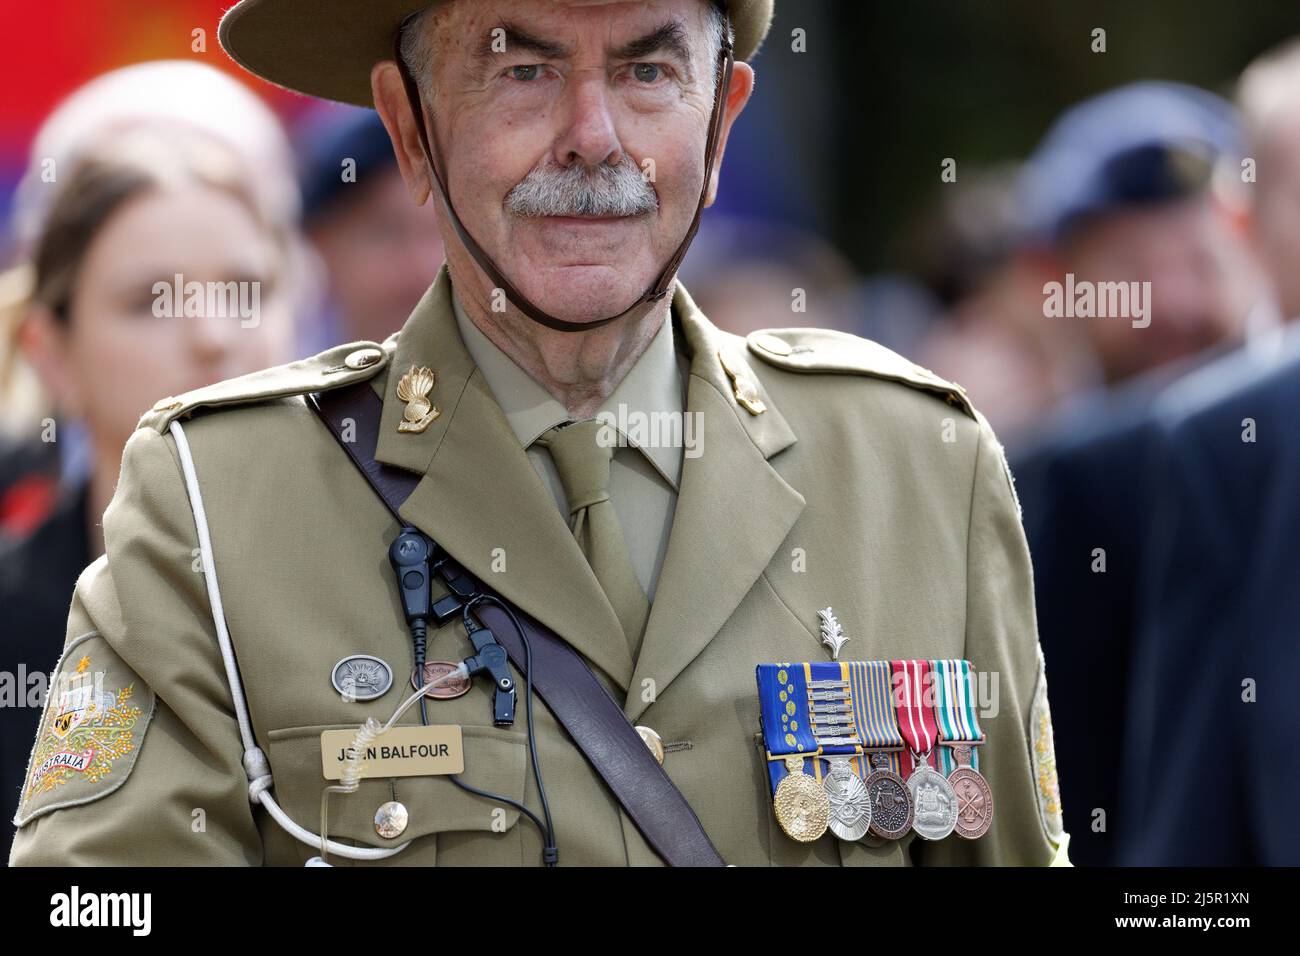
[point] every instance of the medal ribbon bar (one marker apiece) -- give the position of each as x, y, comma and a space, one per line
954, 708
914, 703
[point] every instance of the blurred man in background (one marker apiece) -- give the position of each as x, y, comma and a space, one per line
972, 252
751, 274
139, 196
1122, 190
379, 253
1213, 704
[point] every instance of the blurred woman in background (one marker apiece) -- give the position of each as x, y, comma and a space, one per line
138, 203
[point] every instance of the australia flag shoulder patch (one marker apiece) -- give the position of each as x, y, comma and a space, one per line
96, 713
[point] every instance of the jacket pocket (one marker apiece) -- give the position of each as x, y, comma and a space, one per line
496, 760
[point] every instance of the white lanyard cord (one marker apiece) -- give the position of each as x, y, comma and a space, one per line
256, 765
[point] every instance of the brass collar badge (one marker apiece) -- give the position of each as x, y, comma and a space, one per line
414, 389
742, 385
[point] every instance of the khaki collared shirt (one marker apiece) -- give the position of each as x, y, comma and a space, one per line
643, 478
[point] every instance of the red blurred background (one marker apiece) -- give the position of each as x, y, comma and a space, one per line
51, 48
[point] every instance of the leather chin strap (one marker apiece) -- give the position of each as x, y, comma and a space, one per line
661, 285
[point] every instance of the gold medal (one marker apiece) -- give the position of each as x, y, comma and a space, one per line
802, 807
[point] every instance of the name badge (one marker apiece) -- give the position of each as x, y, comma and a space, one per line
401, 752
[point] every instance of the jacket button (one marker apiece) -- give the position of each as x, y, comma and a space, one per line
391, 819
363, 358
653, 741
770, 343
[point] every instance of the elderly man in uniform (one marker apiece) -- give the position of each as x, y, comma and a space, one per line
265, 610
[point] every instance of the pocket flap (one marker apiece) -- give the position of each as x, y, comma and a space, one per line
496, 760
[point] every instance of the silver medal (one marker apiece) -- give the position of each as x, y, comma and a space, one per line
934, 802
850, 804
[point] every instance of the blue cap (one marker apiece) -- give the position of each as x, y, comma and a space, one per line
1145, 143
329, 137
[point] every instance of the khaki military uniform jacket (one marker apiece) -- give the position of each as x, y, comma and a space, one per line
832, 473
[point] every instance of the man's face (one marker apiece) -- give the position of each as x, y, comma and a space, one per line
1202, 281
1276, 212
381, 253
572, 138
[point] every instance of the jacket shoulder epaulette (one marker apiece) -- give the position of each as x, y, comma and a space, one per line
335, 367
828, 350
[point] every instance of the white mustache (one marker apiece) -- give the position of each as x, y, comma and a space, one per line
580, 190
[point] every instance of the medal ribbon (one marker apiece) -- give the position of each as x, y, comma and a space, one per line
869, 682
833, 671
954, 708
783, 699
783, 707
914, 703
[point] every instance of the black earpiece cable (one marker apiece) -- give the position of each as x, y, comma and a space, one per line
414, 557
550, 854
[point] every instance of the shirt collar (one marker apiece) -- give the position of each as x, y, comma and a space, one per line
653, 386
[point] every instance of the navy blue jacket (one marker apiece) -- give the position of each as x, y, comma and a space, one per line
1082, 488
1210, 777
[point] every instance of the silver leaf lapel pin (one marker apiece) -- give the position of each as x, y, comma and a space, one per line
832, 634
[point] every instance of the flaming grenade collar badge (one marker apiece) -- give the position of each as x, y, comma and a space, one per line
414, 389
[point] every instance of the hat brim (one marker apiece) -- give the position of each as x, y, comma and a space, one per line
326, 48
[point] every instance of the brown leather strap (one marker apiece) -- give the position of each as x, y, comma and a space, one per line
659, 288
561, 677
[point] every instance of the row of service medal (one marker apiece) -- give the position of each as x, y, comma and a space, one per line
846, 721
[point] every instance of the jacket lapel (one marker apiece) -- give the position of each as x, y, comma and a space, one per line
480, 497
733, 511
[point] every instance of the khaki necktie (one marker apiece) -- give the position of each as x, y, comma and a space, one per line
583, 465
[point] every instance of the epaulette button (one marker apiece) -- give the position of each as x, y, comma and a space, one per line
363, 358
770, 343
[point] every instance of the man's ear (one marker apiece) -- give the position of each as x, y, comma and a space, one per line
394, 109
738, 93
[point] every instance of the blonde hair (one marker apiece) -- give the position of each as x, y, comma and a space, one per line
178, 100
145, 159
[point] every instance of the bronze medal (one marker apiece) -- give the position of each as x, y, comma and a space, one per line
802, 807
889, 800
974, 797
447, 690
